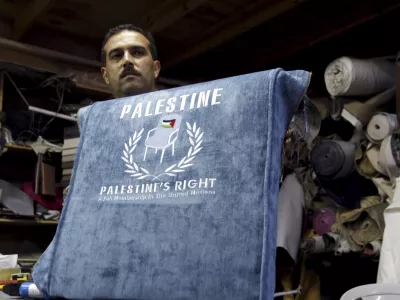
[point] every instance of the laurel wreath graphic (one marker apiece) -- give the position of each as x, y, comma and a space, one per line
195, 138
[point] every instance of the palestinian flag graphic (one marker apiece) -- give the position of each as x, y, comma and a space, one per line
168, 123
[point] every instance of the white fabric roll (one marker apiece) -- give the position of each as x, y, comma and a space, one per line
385, 188
356, 77
387, 161
389, 263
382, 160
381, 126
290, 203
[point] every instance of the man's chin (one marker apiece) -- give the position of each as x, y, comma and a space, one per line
132, 89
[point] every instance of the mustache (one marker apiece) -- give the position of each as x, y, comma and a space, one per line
129, 71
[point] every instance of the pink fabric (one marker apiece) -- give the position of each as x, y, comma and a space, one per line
323, 220
49, 202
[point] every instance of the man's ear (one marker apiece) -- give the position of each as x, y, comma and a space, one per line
157, 68
105, 74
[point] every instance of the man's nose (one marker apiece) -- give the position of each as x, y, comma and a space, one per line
128, 59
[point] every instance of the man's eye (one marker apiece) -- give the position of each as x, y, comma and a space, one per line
138, 53
115, 56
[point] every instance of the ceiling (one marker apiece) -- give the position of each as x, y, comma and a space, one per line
206, 39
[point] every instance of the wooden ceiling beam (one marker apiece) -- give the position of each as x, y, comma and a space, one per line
254, 15
85, 73
26, 17
168, 13
221, 7
291, 47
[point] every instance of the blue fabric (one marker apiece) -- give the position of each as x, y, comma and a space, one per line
195, 221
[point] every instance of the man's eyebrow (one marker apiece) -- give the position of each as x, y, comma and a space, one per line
114, 50
138, 47
135, 47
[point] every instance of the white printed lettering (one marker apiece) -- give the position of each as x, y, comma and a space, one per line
160, 103
192, 184
147, 112
130, 189
203, 182
192, 101
137, 113
178, 185
183, 101
170, 105
103, 189
125, 110
110, 190
214, 97
203, 99
212, 181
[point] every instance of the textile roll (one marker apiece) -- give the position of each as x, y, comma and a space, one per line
380, 126
183, 212
389, 158
389, 263
290, 201
361, 226
371, 228
320, 244
360, 113
373, 249
347, 76
373, 156
385, 188
363, 164
348, 191
323, 220
333, 159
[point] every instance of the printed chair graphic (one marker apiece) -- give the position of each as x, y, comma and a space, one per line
164, 135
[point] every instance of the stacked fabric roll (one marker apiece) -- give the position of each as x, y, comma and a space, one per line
68, 158
347, 76
347, 173
381, 126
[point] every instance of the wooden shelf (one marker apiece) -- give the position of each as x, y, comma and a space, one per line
27, 222
18, 147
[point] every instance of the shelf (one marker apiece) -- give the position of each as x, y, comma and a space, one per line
28, 222
18, 147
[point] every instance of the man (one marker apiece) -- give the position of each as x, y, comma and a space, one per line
130, 61
131, 66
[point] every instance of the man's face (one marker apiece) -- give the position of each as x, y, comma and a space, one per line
130, 69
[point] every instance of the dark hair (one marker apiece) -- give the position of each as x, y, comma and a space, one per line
130, 27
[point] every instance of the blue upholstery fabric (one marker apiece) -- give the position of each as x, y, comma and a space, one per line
198, 224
